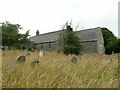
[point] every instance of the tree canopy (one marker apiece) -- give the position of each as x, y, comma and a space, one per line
110, 41
11, 36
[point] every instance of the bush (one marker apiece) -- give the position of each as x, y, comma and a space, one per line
29, 49
11, 48
71, 50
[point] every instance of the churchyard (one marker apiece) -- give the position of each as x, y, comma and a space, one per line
55, 70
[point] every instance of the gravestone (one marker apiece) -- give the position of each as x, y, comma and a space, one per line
21, 59
74, 59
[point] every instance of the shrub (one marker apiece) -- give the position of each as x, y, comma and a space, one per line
71, 50
29, 49
71, 41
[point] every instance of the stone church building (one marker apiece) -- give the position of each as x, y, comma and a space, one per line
90, 39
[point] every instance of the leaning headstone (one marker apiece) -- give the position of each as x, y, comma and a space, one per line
21, 59
35, 62
74, 59
109, 60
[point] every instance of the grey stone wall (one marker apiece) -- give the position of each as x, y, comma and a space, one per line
100, 43
48, 46
89, 47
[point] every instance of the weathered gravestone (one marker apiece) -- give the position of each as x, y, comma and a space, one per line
74, 59
41, 53
35, 62
21, 59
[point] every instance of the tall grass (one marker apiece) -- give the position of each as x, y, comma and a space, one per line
57, 71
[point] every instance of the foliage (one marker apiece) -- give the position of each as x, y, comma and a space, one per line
118, 44
71, 41
29, 49
11, 36
110, 41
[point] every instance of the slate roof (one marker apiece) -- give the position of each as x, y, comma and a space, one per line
88, 34
85, 35
47, 37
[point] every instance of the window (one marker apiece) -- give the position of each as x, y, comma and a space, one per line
49, 45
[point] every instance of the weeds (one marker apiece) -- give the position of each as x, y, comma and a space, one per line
56, 71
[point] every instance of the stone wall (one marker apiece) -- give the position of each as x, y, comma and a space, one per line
89, 47
48, 46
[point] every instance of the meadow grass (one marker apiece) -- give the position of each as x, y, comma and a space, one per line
57, 71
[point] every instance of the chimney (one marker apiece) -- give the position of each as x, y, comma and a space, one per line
37, 33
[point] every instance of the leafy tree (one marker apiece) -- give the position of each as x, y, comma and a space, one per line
110, 41
11, 36
111, 46
71, 41
118, 45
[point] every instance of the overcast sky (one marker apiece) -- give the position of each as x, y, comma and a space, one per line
51, 15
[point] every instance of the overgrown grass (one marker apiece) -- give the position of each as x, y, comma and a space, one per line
56, 71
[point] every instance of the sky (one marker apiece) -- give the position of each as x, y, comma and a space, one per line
51, 15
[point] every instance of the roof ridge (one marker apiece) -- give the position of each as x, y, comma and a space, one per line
47, 33
62, 30
87, 29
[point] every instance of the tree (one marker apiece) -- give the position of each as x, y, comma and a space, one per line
11, 36
111, 46
110, 41
71, 41
118, 45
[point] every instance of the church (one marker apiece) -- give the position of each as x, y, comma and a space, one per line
91, 40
